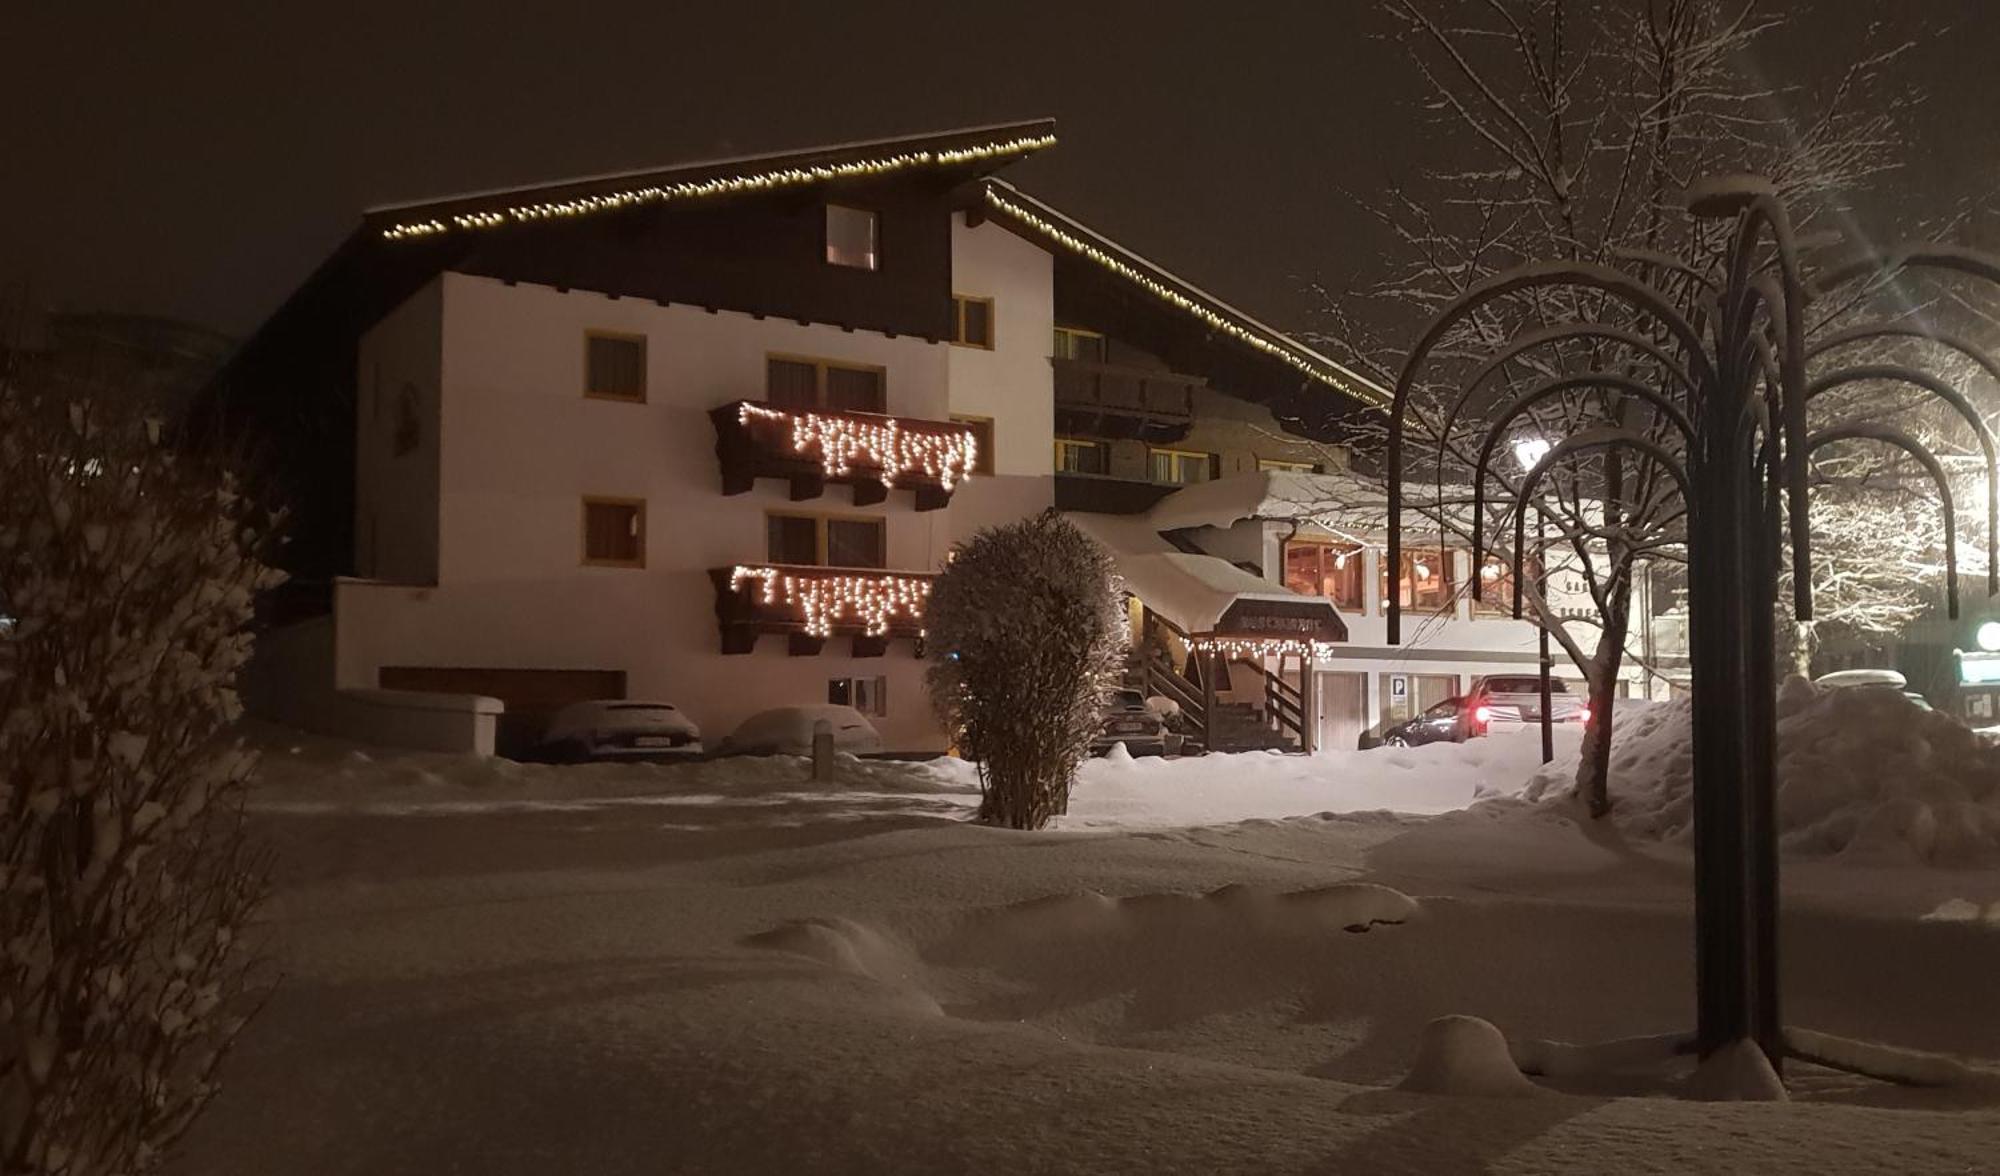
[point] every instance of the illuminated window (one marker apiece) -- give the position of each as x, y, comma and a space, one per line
1077, 343
795, 383
972, 321
1425, 581
1496, 585
1332, 570
614, 532
850, 237
614, 366
982, 435
1182, 467
1082, 457
821, 541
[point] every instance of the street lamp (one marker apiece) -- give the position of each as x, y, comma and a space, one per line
1530, 451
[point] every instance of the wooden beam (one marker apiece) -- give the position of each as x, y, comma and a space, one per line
868, 492
865, 646
804, 645
805, 486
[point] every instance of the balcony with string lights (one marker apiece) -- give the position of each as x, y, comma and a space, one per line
810, 605
871, 452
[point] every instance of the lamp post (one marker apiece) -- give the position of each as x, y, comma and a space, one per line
1706, 383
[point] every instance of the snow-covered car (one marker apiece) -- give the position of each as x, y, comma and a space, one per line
1129, 720
612, 729
788, 730
1849, 679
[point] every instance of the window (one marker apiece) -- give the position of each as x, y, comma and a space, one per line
614, 366
1082, 457
1077, 343
982, 435
850, 237
820, 541
1496, 585
1182, 467
972, 321
1302, 467
614, 532
1332, 570
802, 384
870, 696
1425, 581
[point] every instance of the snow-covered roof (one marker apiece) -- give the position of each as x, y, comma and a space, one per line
1266, 494
1192, 591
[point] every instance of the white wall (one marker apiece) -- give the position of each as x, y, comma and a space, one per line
396, 515
522, 446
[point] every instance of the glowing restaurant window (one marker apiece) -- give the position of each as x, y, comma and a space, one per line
1496, 585
1332, 570
1424, 581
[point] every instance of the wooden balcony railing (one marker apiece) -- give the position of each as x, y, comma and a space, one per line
809, 605
809, 448
1143, 398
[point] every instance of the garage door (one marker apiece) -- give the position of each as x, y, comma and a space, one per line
531, 695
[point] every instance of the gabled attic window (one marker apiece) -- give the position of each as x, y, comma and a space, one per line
850, 237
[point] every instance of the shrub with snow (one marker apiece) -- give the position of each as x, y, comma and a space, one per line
1861, 772
127, 576
1025, 632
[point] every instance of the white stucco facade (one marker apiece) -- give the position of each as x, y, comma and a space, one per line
469, 526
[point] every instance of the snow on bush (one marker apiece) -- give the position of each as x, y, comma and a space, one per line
127, 576
1862, 772
1025, 632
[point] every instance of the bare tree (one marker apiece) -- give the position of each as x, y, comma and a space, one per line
1574, 130
127, 574
1025, 634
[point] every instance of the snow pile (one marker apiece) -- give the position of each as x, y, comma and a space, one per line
1466, 1056
1863, 773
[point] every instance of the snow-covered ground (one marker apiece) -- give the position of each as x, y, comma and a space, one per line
722, 967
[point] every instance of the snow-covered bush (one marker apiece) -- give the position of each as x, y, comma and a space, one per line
1025, 635
127, 575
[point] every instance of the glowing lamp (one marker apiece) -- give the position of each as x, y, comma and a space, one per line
1988, 636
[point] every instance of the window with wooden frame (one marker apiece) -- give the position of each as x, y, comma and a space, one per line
614, 366
1426, 580
1302, 467
1077, 456
851, 237
614, 532
972, 321
982, 436
831, 541
801, 384
1182, 467
1077, 343
1332, 569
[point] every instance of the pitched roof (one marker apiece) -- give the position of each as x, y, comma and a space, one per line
1039, 220
984, 147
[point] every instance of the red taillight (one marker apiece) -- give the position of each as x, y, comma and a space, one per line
1482, 714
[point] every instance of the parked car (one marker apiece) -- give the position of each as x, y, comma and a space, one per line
1449, 721
788, 730
1517, 698
1129, 720
618, 729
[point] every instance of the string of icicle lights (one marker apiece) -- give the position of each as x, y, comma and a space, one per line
719, 186
841, 442
1160, 289
1262, 647
825, 600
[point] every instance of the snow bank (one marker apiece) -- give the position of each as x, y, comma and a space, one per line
1862, 773
1466, 1056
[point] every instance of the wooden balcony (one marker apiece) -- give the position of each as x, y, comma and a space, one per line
810, 605
1116, 400
810, 448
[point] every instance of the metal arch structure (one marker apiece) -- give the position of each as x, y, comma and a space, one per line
1725, 367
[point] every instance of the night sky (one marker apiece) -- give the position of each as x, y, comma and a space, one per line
196, 159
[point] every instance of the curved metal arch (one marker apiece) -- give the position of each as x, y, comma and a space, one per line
1870, 332
1599, 438
1961, 259
1869, 431
1603, 278
1521, 403
1957, 400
